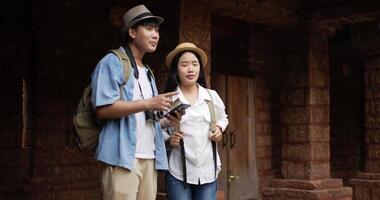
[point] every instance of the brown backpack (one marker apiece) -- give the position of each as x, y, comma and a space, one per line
86, 126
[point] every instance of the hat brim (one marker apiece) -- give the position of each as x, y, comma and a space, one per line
200, 52
134, 22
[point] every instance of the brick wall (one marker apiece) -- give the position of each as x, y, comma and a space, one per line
262, 60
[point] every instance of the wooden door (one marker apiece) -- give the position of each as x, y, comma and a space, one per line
238, 178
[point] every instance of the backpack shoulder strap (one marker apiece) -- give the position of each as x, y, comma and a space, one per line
211, 107
124, 61
127, 66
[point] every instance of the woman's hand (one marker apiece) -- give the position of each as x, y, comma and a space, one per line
174, 121
175, 139
216, 135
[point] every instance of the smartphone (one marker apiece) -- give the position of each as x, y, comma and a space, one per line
180, 108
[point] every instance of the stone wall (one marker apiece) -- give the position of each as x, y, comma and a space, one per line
366, 39
195, 27
49, 51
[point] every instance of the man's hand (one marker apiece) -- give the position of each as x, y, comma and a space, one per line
216, 135
175, 139
161, 102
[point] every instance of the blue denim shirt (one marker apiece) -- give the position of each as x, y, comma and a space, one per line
117, 140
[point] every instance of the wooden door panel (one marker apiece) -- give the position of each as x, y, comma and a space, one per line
237, 95
238, 178
219, 85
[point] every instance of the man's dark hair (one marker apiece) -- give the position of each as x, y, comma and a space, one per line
173, 81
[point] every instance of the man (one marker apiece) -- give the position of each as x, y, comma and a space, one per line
131, 147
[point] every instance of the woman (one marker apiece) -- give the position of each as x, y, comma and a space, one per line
194, 165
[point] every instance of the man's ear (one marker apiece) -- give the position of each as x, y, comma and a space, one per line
132, 33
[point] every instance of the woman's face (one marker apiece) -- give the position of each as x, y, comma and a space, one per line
188, 69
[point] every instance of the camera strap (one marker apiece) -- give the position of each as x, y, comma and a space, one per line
136, 71
183, 160
151, 86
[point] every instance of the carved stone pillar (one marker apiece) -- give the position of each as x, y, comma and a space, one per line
305, 103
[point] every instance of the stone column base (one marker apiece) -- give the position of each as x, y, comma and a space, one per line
326, 189
366, 186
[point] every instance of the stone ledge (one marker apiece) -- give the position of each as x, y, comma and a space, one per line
330, 194
364, 179
364, 182
325, 189
366, 175
307, 184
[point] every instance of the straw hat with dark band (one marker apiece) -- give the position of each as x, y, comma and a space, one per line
137, 14
186, 46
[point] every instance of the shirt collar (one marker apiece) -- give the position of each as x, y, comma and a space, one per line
203, 95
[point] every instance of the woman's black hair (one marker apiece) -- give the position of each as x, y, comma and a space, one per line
173, 81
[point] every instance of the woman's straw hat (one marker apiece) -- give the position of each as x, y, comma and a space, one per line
186, 46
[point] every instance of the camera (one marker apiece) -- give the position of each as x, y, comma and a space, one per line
153, 116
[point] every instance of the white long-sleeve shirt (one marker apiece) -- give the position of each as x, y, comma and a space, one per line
195, 125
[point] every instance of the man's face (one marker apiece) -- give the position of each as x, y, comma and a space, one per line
145, 36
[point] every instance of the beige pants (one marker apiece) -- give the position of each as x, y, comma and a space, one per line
138, 184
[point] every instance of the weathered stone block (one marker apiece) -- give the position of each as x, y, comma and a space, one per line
319, 133
296, 133
292, 170
264, 164
295, 115
372, 93
372, 107
374, 151
373, 136
362, 193
263, 127
263, 140
264, 152
297, 152
263, 116
295, 79
319, 114
373, 165
293, 97
376, 192
318, 170
319, 78
319, 96
320, 151
372, 121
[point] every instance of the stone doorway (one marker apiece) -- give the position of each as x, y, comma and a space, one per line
346, 107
